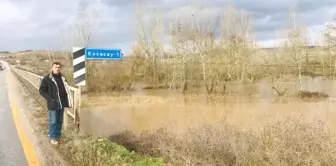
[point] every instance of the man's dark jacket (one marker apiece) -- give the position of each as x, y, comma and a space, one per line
49, 91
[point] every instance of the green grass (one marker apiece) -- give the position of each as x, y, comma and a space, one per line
86, 150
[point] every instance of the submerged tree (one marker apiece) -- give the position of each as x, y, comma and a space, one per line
297, 42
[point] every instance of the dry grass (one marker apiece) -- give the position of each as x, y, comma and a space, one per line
291, 141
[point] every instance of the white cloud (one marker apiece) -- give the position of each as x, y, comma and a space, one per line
8, 12
314, 33
36, 24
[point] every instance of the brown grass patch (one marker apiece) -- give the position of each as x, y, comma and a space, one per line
290, 141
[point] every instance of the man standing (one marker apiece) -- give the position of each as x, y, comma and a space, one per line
54, 89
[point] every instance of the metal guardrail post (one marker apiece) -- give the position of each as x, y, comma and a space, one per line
79, 95
74, 102
65, 119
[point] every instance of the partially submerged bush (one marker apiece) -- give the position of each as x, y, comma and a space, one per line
312, 95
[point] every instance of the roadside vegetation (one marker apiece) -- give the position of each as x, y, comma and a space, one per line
195, 60
286, 141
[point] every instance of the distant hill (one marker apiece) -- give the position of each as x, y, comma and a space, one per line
47, 52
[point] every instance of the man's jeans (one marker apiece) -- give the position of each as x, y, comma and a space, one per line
55, 123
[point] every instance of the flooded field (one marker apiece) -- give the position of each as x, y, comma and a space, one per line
245, 106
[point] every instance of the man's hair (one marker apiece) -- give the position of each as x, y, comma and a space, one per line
56, 63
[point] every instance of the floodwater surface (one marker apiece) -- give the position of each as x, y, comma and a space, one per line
149, 110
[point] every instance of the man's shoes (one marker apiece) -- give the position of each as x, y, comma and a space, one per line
54, 142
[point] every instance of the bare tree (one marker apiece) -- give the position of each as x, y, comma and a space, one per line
156, 60
330, 39
236, 27
331, 31
180, 38
296, 42
143, 41
136, 62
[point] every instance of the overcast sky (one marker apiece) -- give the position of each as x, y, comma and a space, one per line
37, 24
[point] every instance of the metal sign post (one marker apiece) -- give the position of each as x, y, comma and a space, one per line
80, 54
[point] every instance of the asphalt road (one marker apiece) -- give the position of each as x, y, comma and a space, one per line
11, 150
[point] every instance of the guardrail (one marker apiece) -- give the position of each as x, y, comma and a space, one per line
35, 81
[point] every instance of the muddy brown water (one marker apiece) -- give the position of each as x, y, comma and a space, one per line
151, 109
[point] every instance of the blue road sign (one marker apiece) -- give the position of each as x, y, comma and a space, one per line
103, 54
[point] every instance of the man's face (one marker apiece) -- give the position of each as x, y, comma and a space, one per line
56, 69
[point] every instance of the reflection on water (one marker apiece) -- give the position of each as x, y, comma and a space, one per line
163, 107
